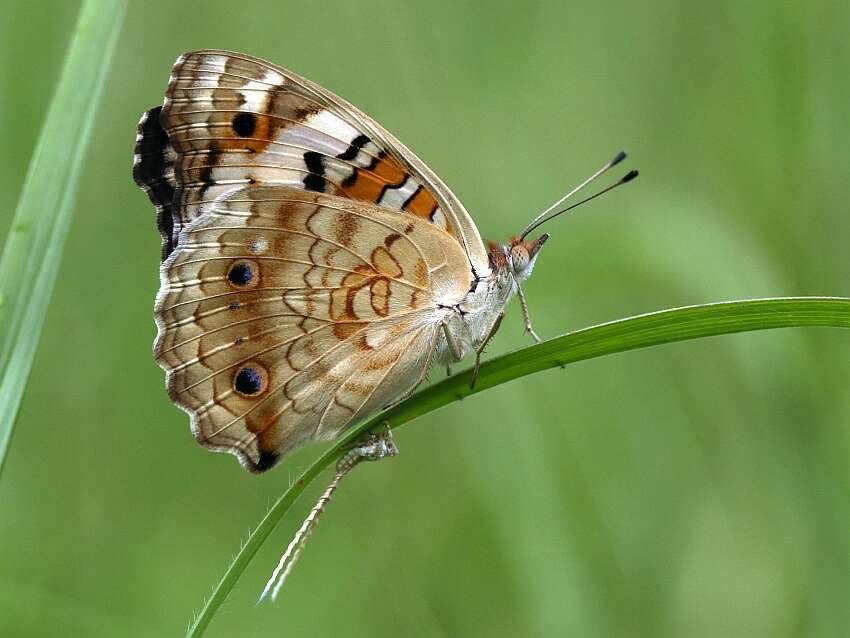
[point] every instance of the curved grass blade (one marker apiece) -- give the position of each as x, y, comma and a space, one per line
642, 331
33, 250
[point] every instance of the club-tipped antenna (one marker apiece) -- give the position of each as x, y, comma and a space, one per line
624, 180
619, 157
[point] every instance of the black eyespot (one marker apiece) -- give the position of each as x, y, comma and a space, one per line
244, 124
235, 305
248, 381
240, 274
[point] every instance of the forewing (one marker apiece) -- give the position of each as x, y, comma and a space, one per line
284, 315
153, 170
234, 120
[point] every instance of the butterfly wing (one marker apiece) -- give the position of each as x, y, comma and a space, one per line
153, 171
285, 315
231, 120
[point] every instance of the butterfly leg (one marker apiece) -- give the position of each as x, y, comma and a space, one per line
526, 317
451, 340
493, 329
371, 447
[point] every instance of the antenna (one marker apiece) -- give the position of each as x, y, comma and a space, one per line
542, 217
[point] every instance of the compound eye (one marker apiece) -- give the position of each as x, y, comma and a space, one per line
519, 257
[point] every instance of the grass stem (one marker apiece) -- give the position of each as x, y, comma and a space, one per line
33, 251
642, 331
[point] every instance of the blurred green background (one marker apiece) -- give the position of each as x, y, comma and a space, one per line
700, 489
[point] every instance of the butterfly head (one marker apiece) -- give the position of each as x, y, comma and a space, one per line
515, 259
521, 254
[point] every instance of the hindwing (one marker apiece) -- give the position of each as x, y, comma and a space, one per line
285, 315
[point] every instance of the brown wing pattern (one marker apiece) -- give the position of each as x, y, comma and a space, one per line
234, 120
284, 315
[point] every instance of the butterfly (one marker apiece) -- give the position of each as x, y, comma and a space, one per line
313, 268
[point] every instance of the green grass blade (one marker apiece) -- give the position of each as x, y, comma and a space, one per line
33, 250
666, 326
